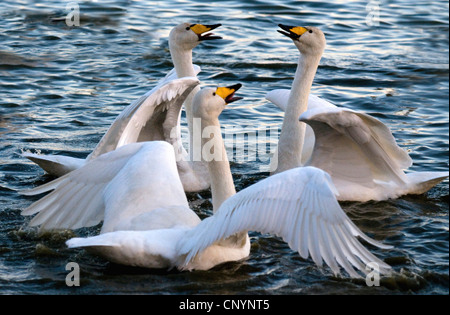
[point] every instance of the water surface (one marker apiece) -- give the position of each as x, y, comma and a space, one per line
61, 87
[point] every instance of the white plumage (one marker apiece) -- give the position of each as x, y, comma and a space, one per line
126, 128
142, 120
145, 119
358, 151
147, 222
298, 205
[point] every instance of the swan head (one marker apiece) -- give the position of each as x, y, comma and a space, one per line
309, 40
187, 36
209, 103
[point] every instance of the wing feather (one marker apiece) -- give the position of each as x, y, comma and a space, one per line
298, 205
42, 188
313, 241
341, 253
280, 98
75, 216
117, 185
82, 187
52, 216
39, 205
150, 109
325, 248
303, 231
356, 150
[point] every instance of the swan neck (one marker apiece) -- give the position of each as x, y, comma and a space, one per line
301, 87
182, 60
293, 132
215, 155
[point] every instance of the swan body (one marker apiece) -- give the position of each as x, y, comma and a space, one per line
147, 221
315, 227
182, 40
358, 151
366, 164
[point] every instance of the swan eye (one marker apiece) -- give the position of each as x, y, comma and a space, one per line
188, 28
310, 31
214, 94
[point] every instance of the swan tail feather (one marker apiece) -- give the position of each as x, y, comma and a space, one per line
56, 165
421, 182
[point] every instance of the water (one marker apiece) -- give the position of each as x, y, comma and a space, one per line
62, 87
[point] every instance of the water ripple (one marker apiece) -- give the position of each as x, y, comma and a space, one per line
62, 87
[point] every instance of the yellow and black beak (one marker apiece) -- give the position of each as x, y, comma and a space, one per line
293, 32
227, 93
201, 29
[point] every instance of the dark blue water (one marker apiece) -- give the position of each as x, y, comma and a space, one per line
61, 87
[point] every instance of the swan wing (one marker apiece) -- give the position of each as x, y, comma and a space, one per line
76, 200
280, 98
172, 75
298, 205
149, 117
355, 148
79, 198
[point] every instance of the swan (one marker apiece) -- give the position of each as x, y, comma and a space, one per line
148, 222
358, 151
182, 40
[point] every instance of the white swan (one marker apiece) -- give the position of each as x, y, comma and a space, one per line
358, 151
182, 40
148, 223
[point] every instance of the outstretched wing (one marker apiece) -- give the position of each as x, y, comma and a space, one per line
76, 200
118, 184
149, 118
298, 205
355, 148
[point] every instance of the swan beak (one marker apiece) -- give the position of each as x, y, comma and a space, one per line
227, 93
200, 29
293, 32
